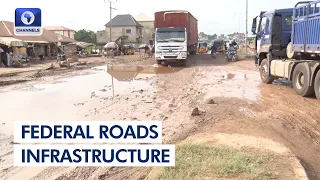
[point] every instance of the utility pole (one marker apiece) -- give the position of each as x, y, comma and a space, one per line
239, 22
246, 40
111, 8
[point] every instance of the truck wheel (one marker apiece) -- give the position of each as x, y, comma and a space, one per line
264, 72
183, 62
158, 61
300, 81
317, 85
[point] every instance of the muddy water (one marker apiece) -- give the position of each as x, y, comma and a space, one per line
76, 98
232, 83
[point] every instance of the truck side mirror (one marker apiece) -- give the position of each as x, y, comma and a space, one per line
254, 25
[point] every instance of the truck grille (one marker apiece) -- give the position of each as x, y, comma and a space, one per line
173, 57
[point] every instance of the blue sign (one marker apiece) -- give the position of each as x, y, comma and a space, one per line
28, 22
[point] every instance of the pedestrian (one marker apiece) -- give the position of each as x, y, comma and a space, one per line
3, 57
213, 49
8, 54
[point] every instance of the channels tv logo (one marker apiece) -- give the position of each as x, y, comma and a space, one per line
28, 22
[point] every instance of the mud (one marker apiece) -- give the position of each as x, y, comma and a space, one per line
142, 90
52, 68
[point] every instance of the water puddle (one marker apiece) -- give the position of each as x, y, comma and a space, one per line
282, 82
78, 97
58, 82
129, 73
32, 89
99, 68
228, 83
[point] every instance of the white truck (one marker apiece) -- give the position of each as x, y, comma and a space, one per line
176, 36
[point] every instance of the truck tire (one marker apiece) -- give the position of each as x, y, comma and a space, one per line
158, 61
300, 81
183, 62
317, 85
264, 72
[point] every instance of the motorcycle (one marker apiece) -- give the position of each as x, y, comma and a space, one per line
232, 55
213, 55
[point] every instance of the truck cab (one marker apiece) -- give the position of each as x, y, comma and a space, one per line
171, 44
288, 44
273, 32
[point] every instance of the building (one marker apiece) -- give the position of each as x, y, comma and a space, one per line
44, 45
123, 27
61, 30
102, 37
148, 27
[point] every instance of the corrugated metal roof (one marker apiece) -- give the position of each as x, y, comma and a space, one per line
123, 20
7, 30
83, 44
57, 28
10, 40
142, 17
4, 31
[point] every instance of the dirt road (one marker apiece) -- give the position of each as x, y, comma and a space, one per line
241, 104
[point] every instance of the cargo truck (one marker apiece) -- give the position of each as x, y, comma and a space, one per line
176, 36
288, 46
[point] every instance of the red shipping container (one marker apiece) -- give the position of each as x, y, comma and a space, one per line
176, 18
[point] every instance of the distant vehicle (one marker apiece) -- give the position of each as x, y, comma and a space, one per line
176, 36
202, 47
232, 54
213, 55
220, 45
128, 50
288, 46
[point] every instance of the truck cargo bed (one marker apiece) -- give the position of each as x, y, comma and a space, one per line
306, 25
178, 19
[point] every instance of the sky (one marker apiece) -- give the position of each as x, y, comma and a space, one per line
214, 16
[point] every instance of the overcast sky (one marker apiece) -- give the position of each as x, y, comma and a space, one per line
215, 16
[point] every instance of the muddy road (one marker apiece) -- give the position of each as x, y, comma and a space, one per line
230, 97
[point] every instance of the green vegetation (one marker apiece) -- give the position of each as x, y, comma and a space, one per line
195, 161
84, 35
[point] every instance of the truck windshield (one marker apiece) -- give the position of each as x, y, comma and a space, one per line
167, 36
202, 45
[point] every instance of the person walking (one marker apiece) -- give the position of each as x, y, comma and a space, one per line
3, 57
8, 54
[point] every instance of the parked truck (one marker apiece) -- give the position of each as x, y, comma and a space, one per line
176, 36
288, 46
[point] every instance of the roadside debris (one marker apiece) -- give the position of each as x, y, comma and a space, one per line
211, 101
51, 66
81, 63
93, 94
64, 63
195, 112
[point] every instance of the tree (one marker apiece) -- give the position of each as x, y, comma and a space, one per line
202, 34
212, 37
85, 36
